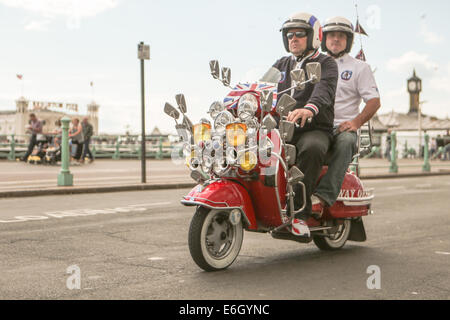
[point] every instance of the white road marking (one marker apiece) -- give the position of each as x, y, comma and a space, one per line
155, 258
442, 252
423, 185
395, 188
109, 179
86, 212
34, 186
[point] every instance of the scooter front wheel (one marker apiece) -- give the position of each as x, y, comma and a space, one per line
214, 242
336, 240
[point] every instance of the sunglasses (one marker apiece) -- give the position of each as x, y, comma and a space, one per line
298, 34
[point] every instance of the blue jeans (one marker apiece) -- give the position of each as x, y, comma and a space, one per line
86, 150
342, 150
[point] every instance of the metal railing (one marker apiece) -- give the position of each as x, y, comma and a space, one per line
13, 147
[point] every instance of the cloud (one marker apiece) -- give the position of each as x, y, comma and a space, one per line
71, 10
441, 82
36, 25
429, 36
410, 60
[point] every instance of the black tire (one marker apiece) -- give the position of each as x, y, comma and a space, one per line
212, 223
336, 240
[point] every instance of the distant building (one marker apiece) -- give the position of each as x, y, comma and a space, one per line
411, 127
14, 122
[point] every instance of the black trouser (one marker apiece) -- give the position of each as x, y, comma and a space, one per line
31, 145
78, 149
312, 147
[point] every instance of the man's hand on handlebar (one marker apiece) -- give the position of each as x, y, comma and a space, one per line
303, 114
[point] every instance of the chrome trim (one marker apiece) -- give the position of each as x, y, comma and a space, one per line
196, 203
356, 204
283, 215
214, 202
369, 198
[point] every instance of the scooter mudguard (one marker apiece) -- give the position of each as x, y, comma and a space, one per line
223, 194
357, 231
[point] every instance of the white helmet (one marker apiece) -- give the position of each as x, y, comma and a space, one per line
309, 23
338, 24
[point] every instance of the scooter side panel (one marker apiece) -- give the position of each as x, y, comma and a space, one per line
224, 194
352, 189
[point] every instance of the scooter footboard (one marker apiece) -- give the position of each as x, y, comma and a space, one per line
223, 194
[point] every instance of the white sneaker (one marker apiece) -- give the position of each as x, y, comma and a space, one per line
315, 200
300, 228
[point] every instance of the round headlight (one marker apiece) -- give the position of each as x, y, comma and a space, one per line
202, 132
236, 134
207, 161
252, 125
187, 149
216, 108
220, 167
223, 118
248, 160
194, 163
247, 106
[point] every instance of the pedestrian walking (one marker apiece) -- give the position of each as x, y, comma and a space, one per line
76, 134
88, 131
35, 127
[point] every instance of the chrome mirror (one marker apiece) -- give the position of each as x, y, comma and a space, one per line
187, 122
314, 71
266, 100
285, 104
214, 67
226, 76
273, 75
269, 122
291, 154
181, 101
298, 78
287, 130
171, 111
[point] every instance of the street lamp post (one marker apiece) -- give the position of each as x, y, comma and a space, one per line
419, 114
143, 54
65, 178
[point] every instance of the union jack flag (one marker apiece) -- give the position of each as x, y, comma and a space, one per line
232, 99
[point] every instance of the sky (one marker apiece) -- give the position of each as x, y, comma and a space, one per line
61, 46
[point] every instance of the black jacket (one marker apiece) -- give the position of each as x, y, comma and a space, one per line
319, 98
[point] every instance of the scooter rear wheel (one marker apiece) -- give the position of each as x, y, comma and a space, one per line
214, 243
336, 240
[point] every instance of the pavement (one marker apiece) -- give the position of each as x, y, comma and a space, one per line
18, 179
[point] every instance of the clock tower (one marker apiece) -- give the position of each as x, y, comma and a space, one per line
414, 89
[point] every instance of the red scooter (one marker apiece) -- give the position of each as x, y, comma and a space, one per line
245, 169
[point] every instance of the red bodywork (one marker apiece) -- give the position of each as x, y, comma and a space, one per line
259, 204
257, 199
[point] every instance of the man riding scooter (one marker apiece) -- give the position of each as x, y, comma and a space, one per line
302, 37
355, 83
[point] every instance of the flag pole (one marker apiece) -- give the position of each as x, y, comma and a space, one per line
92, 90
357, 22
